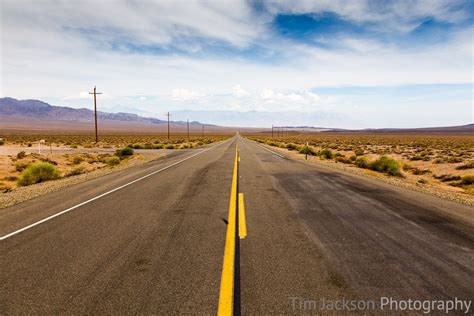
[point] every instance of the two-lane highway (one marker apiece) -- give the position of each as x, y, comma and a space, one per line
156, 246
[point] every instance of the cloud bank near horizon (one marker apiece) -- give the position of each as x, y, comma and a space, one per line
362, 63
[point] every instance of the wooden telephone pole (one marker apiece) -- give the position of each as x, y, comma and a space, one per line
188, 130
95, 93
168, 115
272, 131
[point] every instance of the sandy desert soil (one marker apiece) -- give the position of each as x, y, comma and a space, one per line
432, 164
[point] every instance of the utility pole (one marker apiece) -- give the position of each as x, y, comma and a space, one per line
95, 93
272, 131
168, 115
188, 130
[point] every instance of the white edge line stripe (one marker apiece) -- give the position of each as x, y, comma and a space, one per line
272, 151
103, 194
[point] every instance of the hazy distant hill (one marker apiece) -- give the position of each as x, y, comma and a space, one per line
40, 110
469, 128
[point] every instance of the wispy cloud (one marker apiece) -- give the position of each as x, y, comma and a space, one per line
236, 55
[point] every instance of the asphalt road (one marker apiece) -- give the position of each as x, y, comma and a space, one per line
156, 245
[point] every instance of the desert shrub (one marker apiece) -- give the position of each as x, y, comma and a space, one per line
359, 152
467, 180
418, 171
49, 161
137, 146
21, 166
124, 152
469, 165
422, 181
4, 188
158, 146
2, 141
77, 160
326, 153
362, 162
353, 158
112, 161
343, 159
148, 146
38, 172
291, 146
21, 155
454, 159
11, 178
73, 146
438, 160
307, 150
76, 171
30, 144
407, 167
169, 146
447, 177
386, 165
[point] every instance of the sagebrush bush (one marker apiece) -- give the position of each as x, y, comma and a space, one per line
468, 165
447, 177
158, 146
307, 150
326, 153
359, 152
467, 180
169, 146
77, 160
76, 171
21, 155
386, 165
362, 162
343, 159
124, 152
21, 166
38, 172
291, 146
112, 161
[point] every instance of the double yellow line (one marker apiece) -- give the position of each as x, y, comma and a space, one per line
226, 295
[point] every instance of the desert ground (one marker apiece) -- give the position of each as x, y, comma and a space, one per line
431, 162
73, 156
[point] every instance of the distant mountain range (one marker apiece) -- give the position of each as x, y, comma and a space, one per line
40, 110
38, 116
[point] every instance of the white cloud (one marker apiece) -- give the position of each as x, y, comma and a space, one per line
239, 92
55, 49
185, 95
297, 100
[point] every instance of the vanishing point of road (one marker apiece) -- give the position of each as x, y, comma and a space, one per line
153, 239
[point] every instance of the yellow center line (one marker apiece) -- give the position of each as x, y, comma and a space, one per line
227, 279
242, 222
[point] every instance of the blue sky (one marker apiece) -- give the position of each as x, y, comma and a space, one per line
352, 64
